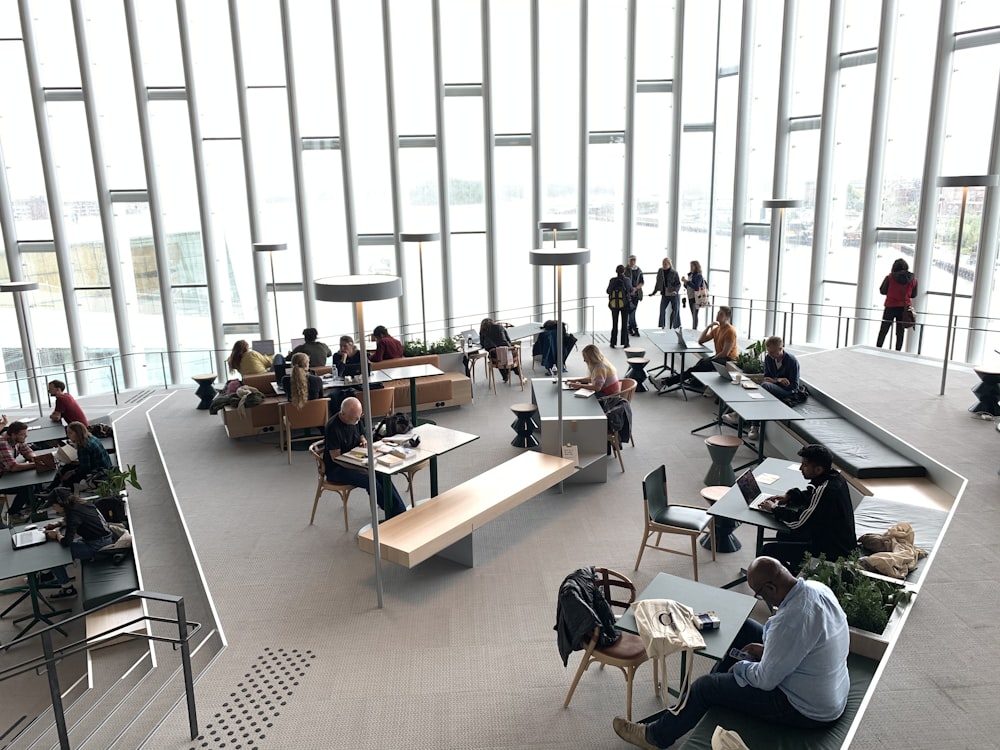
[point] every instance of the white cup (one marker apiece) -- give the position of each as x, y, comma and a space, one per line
738, 377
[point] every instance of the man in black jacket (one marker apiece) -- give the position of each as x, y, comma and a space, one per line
820, 517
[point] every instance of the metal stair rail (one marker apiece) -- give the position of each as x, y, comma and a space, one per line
47, 660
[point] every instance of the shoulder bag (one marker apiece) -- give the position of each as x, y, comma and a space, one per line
908, 318
667, 627
701, 297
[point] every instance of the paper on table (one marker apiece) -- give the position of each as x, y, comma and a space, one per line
572, 453
767, 478
584, 393
794, 467
756, 395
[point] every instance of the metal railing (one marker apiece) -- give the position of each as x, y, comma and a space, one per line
50, 656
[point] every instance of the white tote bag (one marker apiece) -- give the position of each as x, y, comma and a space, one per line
667, 627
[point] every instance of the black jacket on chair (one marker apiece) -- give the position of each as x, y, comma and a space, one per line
581, 607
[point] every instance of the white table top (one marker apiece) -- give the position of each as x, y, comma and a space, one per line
434, 441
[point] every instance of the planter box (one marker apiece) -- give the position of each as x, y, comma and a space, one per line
451, 362
874, 645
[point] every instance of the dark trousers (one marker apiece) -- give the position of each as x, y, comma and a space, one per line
621, 315
892, 314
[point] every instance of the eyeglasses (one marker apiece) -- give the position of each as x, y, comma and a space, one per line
756, 592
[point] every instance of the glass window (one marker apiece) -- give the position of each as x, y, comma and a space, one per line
461, 42
696, 184
58, 66
159, 44
48, 311
725, 156
327, 226
418, 178
809, 65
653, 119
466, 176
413, 67
315, 75
796, 263
970, 113
606, 53
214, 74
468, 270
604, 215
861, 25
510, 27
730, 32
654, 40
429, 294
515, 234
763, 105
700, 34
260, 38
976, 14
559, 139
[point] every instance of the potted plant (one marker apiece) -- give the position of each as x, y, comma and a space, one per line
115, 480
414, 348
751, 360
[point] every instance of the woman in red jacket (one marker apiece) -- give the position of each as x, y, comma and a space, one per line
899, 287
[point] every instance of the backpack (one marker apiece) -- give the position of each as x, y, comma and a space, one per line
395, 424
616, 300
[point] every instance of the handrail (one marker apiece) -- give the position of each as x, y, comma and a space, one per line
50, 655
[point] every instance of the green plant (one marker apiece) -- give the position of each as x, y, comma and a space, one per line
444, 346
751, 359
417, 347
414, 348
114, 481
866, 601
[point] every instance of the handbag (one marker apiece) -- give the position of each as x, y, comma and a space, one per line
667, 627
701, 298
908, 318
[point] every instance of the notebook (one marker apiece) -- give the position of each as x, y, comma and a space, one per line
684, 342
750, 490
30, 536
45, 462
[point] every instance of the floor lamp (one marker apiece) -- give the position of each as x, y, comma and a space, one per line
964, 182
578, 256
271, 248
420, 239
360, 289
555, 226
19, 289
781, 204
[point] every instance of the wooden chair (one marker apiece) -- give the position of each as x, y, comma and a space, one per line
312, 414
383, 404
664, 518
628, 390
628, 653
505, 358
616, 448
344, 490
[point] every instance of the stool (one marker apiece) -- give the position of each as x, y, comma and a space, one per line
524, 425
205, 390
988, 392
634, 351
637, 371
725, 539
722, 448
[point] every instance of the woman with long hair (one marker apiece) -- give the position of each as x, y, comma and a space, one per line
246, 361
601, 374
694, 281
84, 531
348, 354
492, 335
899, 287
92, 460
300, 385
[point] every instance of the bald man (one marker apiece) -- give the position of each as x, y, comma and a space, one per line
342, 434
796, 673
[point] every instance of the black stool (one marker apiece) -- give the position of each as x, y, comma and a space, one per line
988, 392
205, 390
524, 425
725, 539
637, 371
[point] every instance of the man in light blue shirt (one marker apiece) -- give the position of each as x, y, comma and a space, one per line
796, 675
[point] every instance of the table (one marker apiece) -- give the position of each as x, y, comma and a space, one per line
730, 607
13, 481
411, 373
666, 341
29, 562
434, 441
523, 331
732, 506
585, 425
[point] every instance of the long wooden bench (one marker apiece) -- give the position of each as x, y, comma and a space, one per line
444, 524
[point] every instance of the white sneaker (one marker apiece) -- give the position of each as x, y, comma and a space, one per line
753, 433
731, 418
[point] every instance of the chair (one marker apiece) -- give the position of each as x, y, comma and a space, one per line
504, 358
616, 448
344, 490
312, 414
664, 518
628, 653
383, 403
628, 386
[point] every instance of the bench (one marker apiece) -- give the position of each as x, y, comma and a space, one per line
434, 391
102, 581
444, 524
761, 734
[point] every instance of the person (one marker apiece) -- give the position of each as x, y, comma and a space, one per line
80, 519
318, 351
619, 293
601, 374
246, 361
300, 385
342, 434
348, 354
668, 283
796, 673
634, 276
492, 335
820, 518
14, 443
546, 346
694, 281
66, 406
92, 460
899, 288
723, 335
781, 370
386, 347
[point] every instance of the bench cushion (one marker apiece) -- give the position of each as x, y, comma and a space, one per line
813, 409
101, 581
761, 734
855, 451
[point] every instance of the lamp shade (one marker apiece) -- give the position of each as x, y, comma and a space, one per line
555, 224
419, 237
783, 203
358, 288
19, 286
576, 256
982, 180
269, 247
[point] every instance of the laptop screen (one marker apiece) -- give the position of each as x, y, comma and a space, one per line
353, 369
680, 337
297, 343
722, 370
263, 346
748, 486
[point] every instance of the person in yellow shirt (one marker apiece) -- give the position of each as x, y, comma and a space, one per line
246, 361
723, 335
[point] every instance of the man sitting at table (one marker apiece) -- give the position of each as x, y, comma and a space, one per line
386, 347
14, 443
343, 434
820, 517
723, 335
67, 409
795, 672
781, 371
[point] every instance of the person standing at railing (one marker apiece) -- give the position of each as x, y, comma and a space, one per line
899, 288
668, 284
635, 276
694, 282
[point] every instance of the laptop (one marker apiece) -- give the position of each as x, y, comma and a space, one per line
750, 490
685, 342
296, 343
723, 371
353, 370
29, 537
263, 346
45, 462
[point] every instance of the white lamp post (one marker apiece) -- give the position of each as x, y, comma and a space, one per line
420, 239
781, 204
19, 289
555, 226
271, 248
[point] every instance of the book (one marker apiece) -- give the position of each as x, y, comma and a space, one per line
358, 453
388, 459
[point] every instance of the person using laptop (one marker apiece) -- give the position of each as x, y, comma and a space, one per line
300, 385
318, 351
493, 335
386, 347
820, 518
347, 354
723, 335
601, 374
343, 434
14, 444
92, 460
84, 531
66, 409
795, 670
246, 361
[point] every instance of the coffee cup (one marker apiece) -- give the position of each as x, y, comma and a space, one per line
738, 377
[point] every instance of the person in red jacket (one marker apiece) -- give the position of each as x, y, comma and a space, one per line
899, 287
66, 406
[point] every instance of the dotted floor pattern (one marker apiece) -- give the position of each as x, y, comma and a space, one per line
244, 720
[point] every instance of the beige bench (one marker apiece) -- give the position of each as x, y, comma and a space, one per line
444, 524
434, 391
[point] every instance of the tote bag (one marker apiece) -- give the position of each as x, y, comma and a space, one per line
667, 627
701, 297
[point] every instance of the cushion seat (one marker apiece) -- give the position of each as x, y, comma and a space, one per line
629, 646
856, 451
683, 518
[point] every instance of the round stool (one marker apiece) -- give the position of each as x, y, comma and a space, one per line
988, 392
637, 371
725, 539
205, 390
524, 425
634, 351
722, 448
